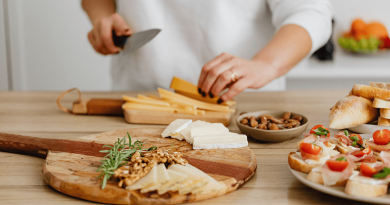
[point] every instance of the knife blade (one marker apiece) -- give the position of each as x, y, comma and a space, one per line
135, 41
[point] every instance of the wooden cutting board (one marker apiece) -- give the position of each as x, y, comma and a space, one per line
71, 165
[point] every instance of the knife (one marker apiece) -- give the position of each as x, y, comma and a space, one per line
135, 40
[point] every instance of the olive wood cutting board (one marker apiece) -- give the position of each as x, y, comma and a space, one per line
70, 165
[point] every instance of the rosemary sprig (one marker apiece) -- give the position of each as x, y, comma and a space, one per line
117, 156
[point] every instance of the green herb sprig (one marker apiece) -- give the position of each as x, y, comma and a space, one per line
382, 174
117, 156
321, 131
341, 159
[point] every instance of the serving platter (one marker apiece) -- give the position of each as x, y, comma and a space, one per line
71, 165
339, 191
367, 128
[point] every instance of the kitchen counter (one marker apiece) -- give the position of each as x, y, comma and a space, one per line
36, 114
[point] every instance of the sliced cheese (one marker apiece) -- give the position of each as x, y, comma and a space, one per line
175, 178
208, 129
146, 102
227, 140
186, 133
175, 127
212, 185
140, 106
165, 94
150, 178
162, 178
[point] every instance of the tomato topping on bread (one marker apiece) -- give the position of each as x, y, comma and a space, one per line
381, 137
337, 165
320, 130
310, 148
367, 170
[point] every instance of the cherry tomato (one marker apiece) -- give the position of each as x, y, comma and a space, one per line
337, 166
312, 131
310, 148
381, 137
362, 153
367, 171
360, 141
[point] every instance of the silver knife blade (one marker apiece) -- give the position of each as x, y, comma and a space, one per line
138, 39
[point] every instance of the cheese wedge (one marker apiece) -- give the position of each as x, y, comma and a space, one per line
162, 178
212, 185
186, 133
193, 181
145, 101
220, 141
150, 178
175, 178
208, 129
176, 127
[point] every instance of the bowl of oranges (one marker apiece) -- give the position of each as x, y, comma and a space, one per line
365, 38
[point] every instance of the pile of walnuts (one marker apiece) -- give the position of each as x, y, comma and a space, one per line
139, 166
268, 122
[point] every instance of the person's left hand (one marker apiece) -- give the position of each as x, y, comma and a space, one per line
237, 74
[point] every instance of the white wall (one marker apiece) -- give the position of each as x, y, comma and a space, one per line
50, 49
3, 54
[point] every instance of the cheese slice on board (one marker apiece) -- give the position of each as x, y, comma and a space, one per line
220, 141
186, 133
175, 178
208, 129
192, 182
162, 178
175, 127
150, 178
212, 185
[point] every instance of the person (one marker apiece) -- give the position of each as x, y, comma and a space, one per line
216, 44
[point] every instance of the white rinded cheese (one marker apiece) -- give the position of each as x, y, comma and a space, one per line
175, 127
186, 133
212, 185
150, 178
194, 180
227, 140
175, 178
208, 129
162, 177
177, 136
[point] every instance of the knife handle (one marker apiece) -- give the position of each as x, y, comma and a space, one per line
119, 41
97, 106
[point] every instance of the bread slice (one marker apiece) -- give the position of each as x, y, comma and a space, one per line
316, 177
385, 113
383, 122
297, 163
378, 103
341, 149
351, 111
380, 85
357, 188
370, 92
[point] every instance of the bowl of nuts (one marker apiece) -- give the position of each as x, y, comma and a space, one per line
272, 126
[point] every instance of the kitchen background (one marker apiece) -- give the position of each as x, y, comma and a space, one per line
44, 46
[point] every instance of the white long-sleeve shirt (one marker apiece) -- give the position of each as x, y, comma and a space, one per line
196, 31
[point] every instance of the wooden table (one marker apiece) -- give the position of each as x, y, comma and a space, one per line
36, 114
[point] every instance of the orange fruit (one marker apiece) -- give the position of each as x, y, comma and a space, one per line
360, 34
357, 25
376, 29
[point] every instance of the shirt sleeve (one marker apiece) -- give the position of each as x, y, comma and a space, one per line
315, 16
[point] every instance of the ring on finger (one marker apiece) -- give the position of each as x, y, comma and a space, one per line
234, 77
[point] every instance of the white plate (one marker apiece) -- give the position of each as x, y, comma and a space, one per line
338, 191
367, 128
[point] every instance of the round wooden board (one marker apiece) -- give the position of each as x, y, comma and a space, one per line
75, 174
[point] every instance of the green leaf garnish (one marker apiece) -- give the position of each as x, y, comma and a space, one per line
355, 140
346, 133
382, 174
341, 159
117, 156
321, 131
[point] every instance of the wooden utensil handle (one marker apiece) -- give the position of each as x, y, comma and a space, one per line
35, 146
97, 106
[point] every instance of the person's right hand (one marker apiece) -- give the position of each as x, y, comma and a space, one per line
100, 36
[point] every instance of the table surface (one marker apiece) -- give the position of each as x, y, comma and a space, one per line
36, 114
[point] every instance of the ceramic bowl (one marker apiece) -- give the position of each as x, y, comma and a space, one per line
271, 135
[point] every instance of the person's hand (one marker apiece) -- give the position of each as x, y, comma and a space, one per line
237, 74
101, 34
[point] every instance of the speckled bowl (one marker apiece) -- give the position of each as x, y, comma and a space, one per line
271, 135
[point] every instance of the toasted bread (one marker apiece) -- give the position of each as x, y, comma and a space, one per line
316, 177
383, 122
357, 188
297, 163
385, 113
341, 149
378, 103
351, 111
380, 85
370, 92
